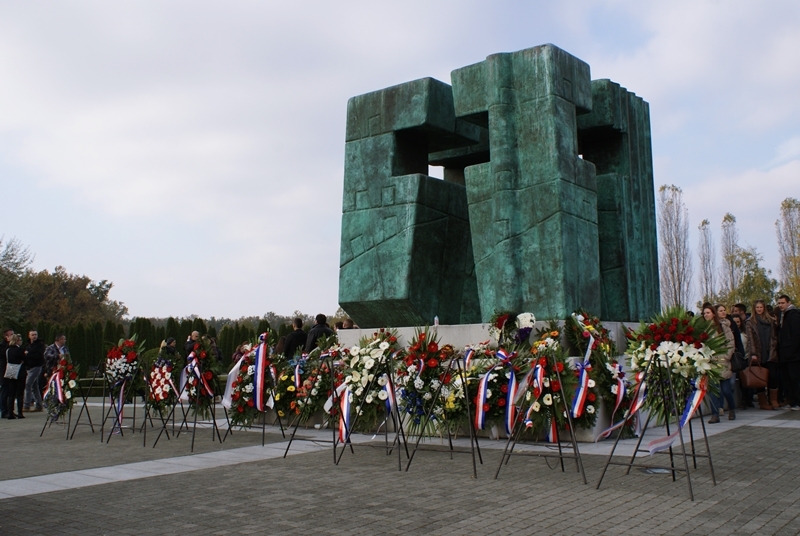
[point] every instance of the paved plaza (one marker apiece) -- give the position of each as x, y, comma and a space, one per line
83, 486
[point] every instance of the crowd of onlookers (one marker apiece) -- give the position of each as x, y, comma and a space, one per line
26, 368
766, 337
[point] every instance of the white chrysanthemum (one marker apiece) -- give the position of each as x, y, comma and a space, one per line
537, 406
427, 396
354, 351
412, 369
72, 383
69, 394
369, 363
248, 388
384, 345
547, 399
383, 380
418, 383
383, 395
368, 399
251, 370
589, 409
590, 383
435, 384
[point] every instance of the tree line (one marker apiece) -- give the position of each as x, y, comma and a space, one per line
739, 277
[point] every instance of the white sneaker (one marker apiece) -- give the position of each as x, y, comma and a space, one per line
795, 408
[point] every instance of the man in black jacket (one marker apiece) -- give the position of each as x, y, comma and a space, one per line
296, 339
34, 361
7, 333
320, 328
789, 349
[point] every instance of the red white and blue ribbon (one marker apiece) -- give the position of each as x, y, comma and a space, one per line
469, 354
511, 409
639, 396
344, 415
511, 395
699, 390
233, 375
194, 368
390, 396
121, 401
551, 436
55, 385
260, 373
582, 391
621, 390
483, 388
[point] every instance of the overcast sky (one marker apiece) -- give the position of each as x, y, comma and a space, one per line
192, 152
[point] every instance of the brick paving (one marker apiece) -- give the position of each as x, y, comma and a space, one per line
758, 490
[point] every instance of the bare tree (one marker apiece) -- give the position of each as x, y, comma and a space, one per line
708, 261
730, 273
675, 256
788, 230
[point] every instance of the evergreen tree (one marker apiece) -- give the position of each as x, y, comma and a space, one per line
263, 326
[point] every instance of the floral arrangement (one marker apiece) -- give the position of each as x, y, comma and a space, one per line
242, 405
491, 381
122, 360
59, 396
424, 383
511, 329
551, 389
199, 378
162, 393
684, 347
365, 393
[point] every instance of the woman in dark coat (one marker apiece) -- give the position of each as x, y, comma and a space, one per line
15, 387
762, 347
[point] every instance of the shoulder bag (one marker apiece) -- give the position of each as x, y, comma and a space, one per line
754, 377
12, 370
738, 362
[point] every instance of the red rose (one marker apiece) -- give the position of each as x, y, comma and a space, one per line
698, 344
421, 336
447, 379
196, 346
250, 403
555, 386
131, 357
235, 396
542, 362
72, 375
129, 343
667, 337
501, 402
560, 367
393, 339
433, 347
63, 362
673, 328
432, 363
704, 336
240, 409
654, 347
657, 337
203, 355
70, 367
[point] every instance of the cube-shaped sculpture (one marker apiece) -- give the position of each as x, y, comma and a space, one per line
547, 201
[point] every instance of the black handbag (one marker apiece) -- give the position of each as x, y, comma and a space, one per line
738, 362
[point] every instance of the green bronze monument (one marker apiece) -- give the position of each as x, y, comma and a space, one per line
547, 202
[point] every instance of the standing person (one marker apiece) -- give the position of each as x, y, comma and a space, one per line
15, 387
34, 361
7, 334
726, 382
762, 338
722, 313
789, 349
320, 329
296, 339
741, 310
188, 346
53, 353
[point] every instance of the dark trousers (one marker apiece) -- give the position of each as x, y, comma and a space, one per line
774, 374
15, 391
790, 373
3, 391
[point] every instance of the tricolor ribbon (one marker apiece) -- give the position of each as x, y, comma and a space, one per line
227, 398
582, 391
639, 395
344, 415
390, 397
538, 385
193, 367
56, 385
511, 395
483, 387
121, 400
261, 361
699, 390
552, 432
